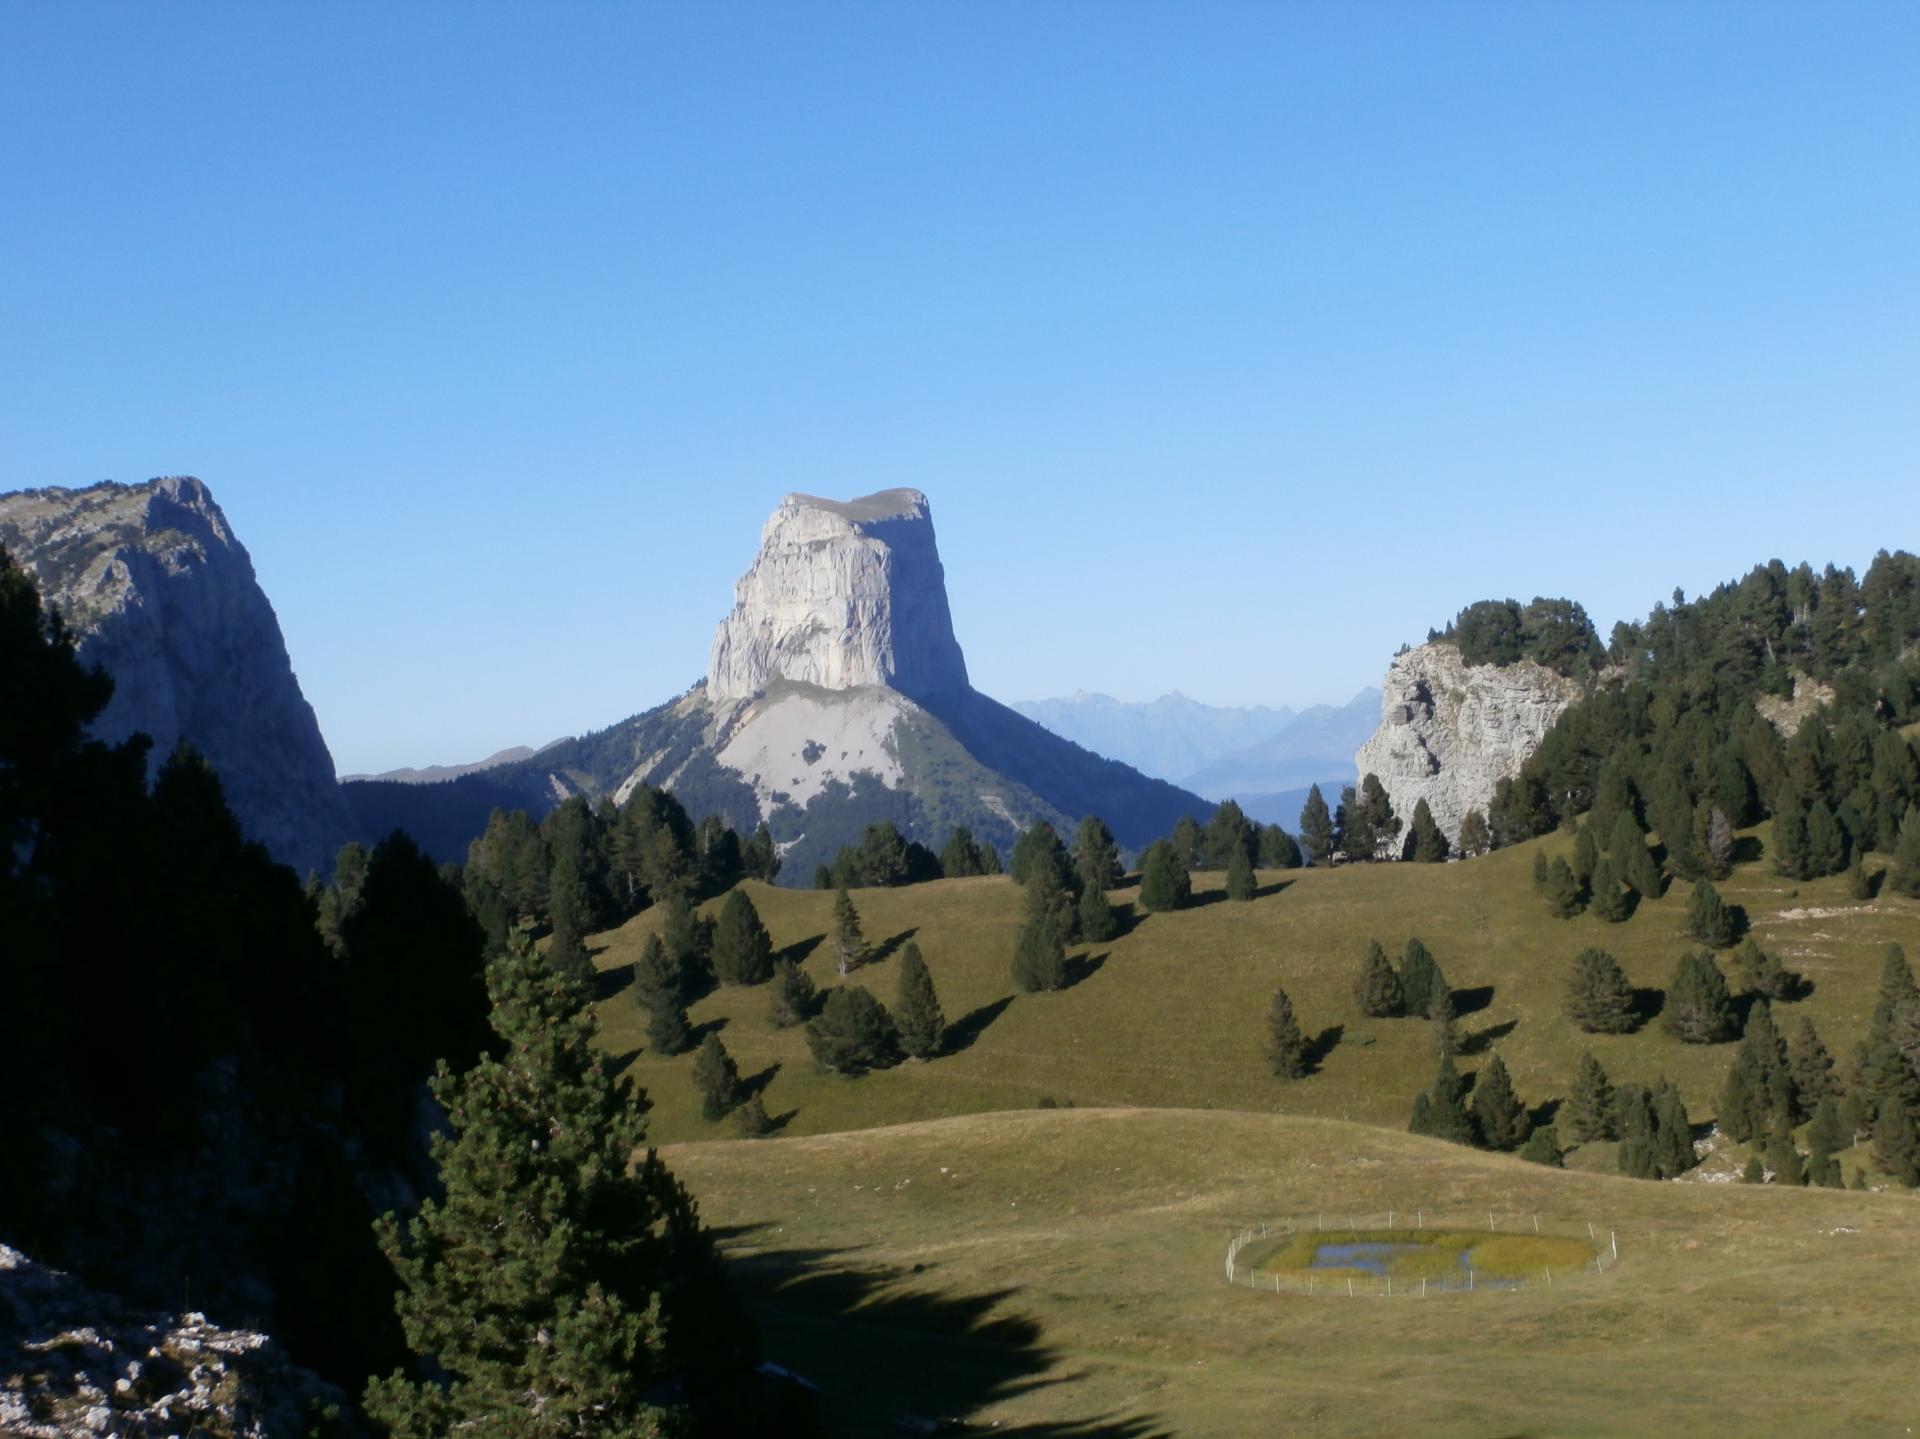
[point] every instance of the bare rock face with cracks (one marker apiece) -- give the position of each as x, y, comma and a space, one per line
1450, 731
159, 593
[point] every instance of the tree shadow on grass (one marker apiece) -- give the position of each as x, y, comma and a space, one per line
1082, 966
1323, 1044
887, 947
952, 1351
1471, 1001
619, 1064
1544, 1113
1481, 1040
1648, 1002
964, 1030
612, 981
1747, 848
757, 1083
697, 1035
797, 952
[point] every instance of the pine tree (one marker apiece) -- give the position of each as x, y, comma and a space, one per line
1904, 877
557, 1280
1599, 999
1316, 828
1039, 958
1420, 1121
849, 944
1708, 919
668, 1031
1164, 883
1099, 920
1698, 1009
1610, 902
1713, 840
1823, 1169
1189, 841
1440, 1016
791, 997
1096, 855
742, 948
1790, 834
1286, 1045
1034, 844
1376, 989
1896, 1149
1373, 824
1810, 1063
1228, 833
1240, 881
853, 1032
752, 1120
1498, 1114
1591, 1111
1755, 1172
1828, 1131
1543, 1147
565, 951
688, 938
716, 1077
1447, 1116
1564, 899
916, 1008
1632, 860
1743, 1098
962, 855
1673, 1133
1783, 1158
1048, 896
1586, 857
1475, 838
1427, 844
1859, 885
1418, 978
1826, 845
1278, 849
1542, 872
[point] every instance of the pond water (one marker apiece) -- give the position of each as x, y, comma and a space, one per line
1373, 1257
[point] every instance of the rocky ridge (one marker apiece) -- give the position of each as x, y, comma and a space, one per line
160, 594
1450, 731
74, 1361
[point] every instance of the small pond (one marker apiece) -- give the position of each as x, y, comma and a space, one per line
1374, 1258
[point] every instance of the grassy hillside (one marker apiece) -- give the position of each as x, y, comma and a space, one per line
1171, 1014
1060, 1273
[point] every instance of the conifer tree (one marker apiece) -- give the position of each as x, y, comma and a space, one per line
1632, 860
1826, 845
1859, 885
1599, 999
1789, 844
716, 1077
1904, 876
1032, 845
1229, 832
849, 943
742, 948
916, 1008
1743, 1098
1498, 1114
1440, 1015
1374, 823
1828, 1132
1048, 896
1713, 840
1316, 828
1286, 1045
1420, 979
752, 1120
1543, 1147
1542, 871
1783, 1158
1447, 1116
1612, 797
1420, 1121
1099, 920
1564, 899
962, 855
1096, 855
1896, 1149
1164, 883
1610, 901
1810, 1063
1591, 1111
1426, 844
1376, 989
1189, 841
853, 1032
1673, 1133
1755, 1172
553, 1280
565, 951
1278, 849
1698, 1009
1475, 838
791, 996
1823, 1169
1039, 958
668, 1031
1586, 857
688, 937
1240, 881
1708, 919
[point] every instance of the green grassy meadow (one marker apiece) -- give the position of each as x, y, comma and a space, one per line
924, 1241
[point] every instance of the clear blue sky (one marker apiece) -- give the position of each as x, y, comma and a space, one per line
1234, 344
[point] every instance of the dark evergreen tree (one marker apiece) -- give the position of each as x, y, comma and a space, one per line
1790, 834
688, 937
1859, 884
822, 877
1099, 920
1755, 1172
1230, 833
1421, 982
1828, 1132
791, 997
1189, 841
1586, 854
1632, 860
1498, 1115
1277, 848
1612, 797
916, 1008
1783, 1157
716, 1077
1441, 1022
668, 1030
1826, 843
1475, 837
1447, 1116
1610, 901
752, 1119
1563, 895
1543, 1147
742, 948
1096, 856
1708, 919
1542, 871
853, 1032
1316, 828
760, 857
1376, 989
849, 942
565, 949
1164, 883
1810, 1064
963, 856
1240, 881
1743, 1099
1698, 1009
1039, 957
1373, 827
1048, 896
1591, 1111
1426, 844
1599, 998
1896, 1150
1904, 876
1286, 1046
556, 1280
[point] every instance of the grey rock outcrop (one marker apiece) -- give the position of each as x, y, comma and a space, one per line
1450, 731
159, 593
77, 1362
843, 594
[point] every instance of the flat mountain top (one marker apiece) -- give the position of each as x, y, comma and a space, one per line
881, 505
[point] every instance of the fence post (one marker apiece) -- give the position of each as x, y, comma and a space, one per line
1389, 1219
1420, 1219
1423, 1286
1549, 1278
1614, 1240
1349, 1289
1536, 1224
1469, 1276
1589, 1229
1490, 1228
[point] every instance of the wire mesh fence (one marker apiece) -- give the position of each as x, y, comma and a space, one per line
1409, 1253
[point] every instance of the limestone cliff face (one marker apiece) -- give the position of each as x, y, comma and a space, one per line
160, 594
842, 595
1450, 731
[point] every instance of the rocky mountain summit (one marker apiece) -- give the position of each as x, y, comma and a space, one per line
836, 696
1450, 731
160, 594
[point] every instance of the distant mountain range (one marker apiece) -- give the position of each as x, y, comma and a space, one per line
1263, 758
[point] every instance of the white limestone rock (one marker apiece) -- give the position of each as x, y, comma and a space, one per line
159, 593
843, 595
1450, 731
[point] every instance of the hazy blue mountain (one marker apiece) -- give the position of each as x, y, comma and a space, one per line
1316, 747
1167, 738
